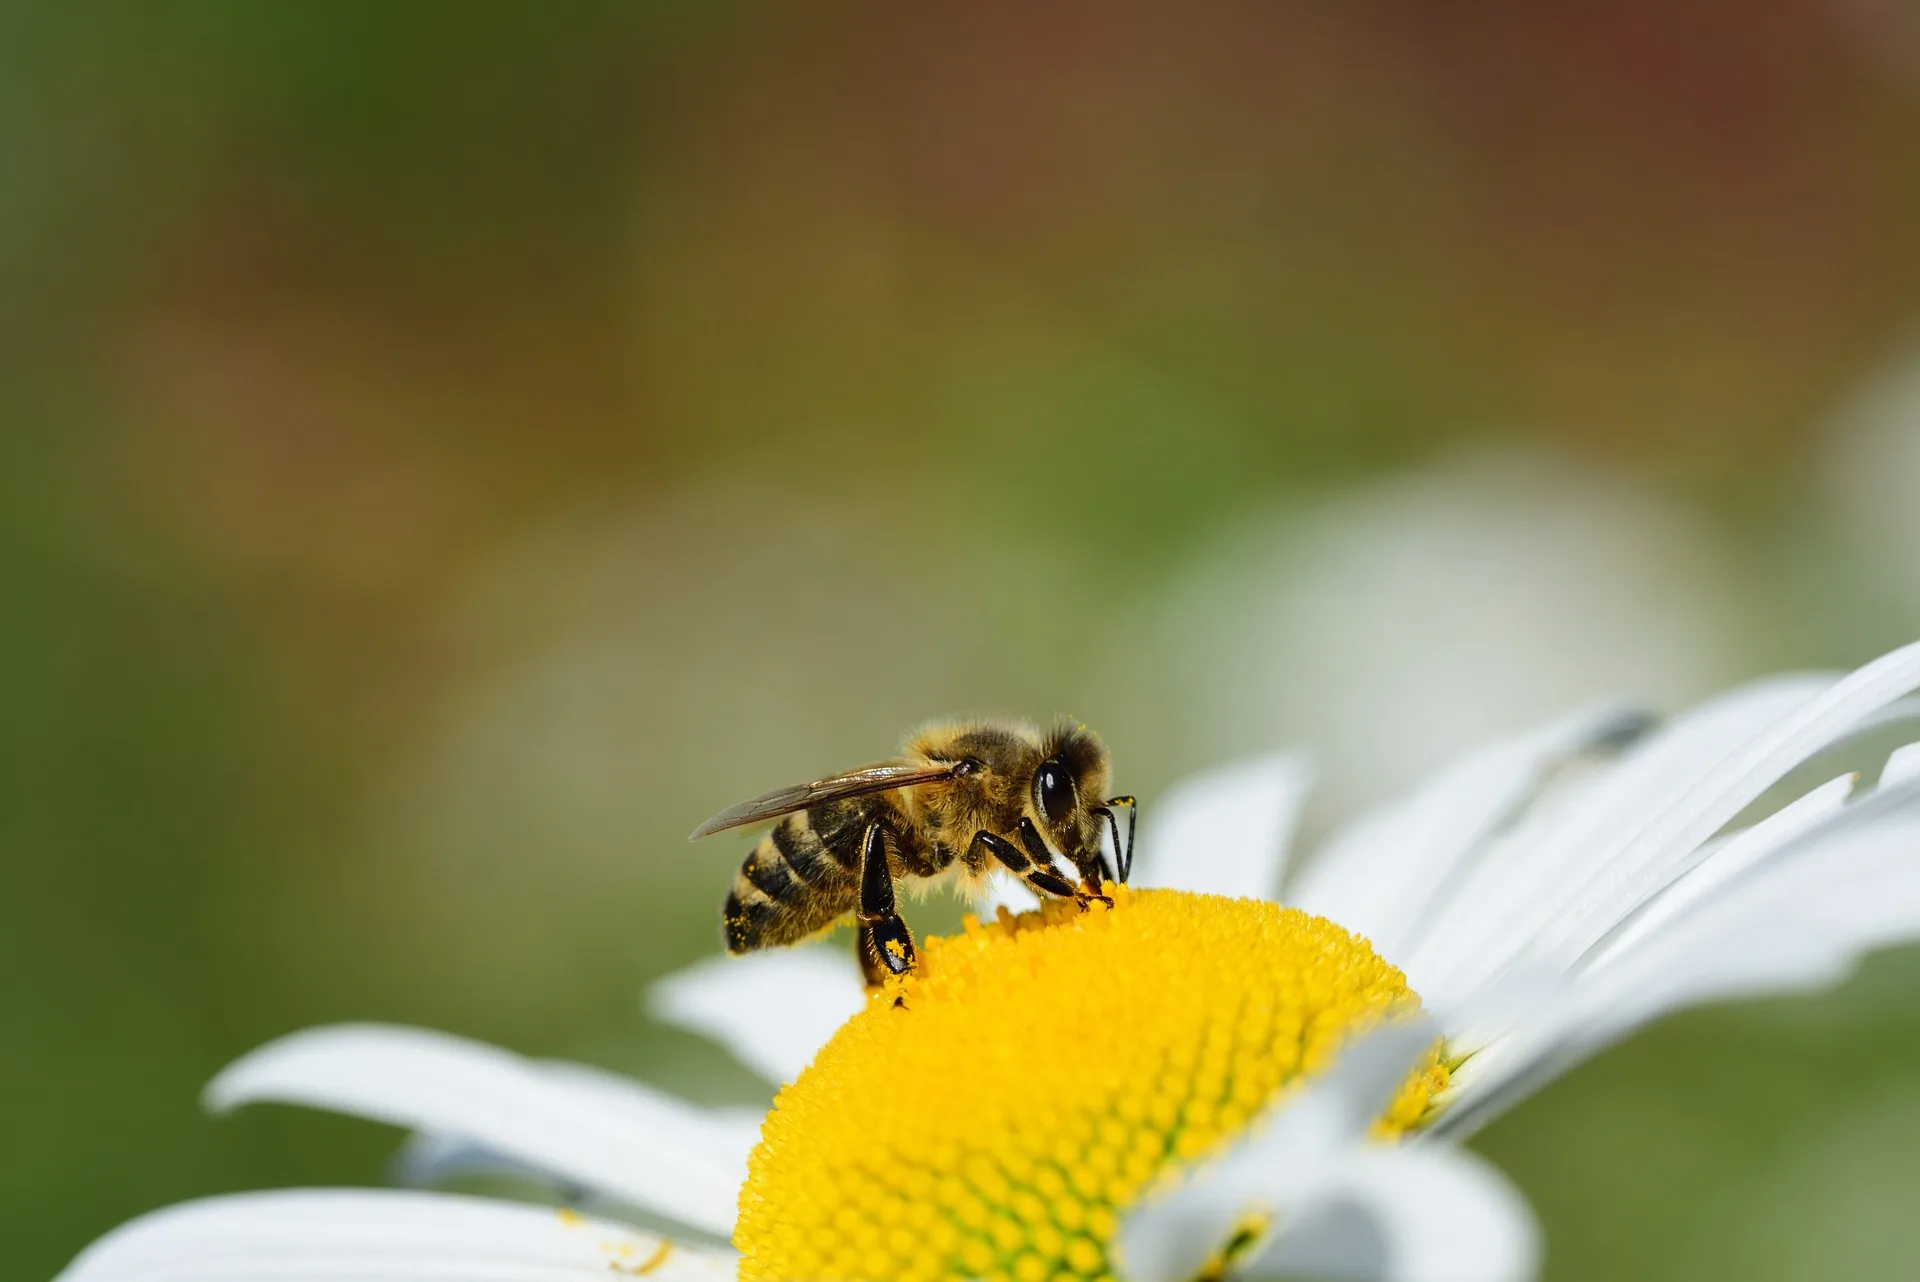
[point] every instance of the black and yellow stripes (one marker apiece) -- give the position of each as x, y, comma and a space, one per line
793, 884
804, 854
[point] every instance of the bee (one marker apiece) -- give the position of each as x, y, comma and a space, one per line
965, 798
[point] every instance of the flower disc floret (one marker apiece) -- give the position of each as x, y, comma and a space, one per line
994, 1113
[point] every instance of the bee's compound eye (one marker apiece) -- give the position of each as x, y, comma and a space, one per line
1055, 787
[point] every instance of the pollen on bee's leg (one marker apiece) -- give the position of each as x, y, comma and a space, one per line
997, 1109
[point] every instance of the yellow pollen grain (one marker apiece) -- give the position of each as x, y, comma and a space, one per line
1035, 1075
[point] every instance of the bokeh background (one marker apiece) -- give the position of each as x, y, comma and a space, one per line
447, 450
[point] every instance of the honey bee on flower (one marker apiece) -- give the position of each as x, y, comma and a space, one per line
1272, 1090
967, 798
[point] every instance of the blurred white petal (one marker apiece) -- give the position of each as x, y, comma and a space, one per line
1798, 922
435, 1159
1381, 872
630, 1143
1902, 767
323, 1235
1532, 873
1004, 890
1416, 1213
1310, 1166
1660, 851
1849, 886
1168, 1237
1727, 861
1225, 832
428, 1159
772, 1009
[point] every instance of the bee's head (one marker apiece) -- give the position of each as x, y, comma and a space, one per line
1068, 783
1009, 771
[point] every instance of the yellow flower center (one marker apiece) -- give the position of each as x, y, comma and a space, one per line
994, 1113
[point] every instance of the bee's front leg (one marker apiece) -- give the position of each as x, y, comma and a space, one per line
886, 945
1037, 871
1037, 850
1123, 855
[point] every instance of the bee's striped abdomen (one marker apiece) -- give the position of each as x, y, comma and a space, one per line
792, 885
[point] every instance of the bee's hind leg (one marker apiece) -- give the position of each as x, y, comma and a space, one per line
886, 945
877, 960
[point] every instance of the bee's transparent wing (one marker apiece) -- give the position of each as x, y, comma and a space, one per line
854, 783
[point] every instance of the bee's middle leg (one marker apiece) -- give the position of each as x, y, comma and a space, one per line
886, 945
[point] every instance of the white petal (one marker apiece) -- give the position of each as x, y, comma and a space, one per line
326, 1235
1003, 889
434, 1159
1418, 1213
1528, 878
1649, 860
634, 1144
1340, 1106
1378, 875
1902, 767
1850, 885
1169, 1236
1730, 860
632, 1103
1225, 832
429, 1159
772, 1009
1797, 923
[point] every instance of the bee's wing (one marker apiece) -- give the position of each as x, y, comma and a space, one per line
854, 783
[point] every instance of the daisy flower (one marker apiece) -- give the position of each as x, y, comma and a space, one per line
1197, 1083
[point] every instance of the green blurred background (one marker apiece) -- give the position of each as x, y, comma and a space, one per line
446, 450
